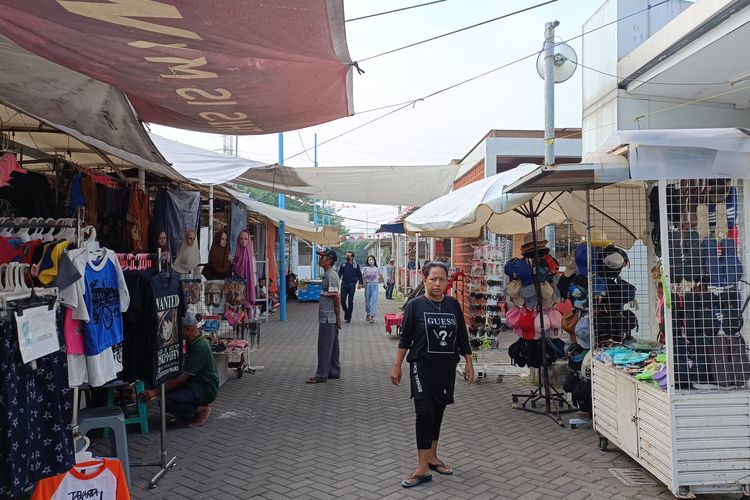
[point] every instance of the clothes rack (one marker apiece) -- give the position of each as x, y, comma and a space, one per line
163, 464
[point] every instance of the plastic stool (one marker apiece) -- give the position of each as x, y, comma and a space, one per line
108, 418
140, 418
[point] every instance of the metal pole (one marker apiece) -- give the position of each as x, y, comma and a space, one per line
282, 243
210, 213
549, 111
314, 270
142, 179
549, 92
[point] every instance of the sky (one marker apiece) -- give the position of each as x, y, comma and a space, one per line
446, 126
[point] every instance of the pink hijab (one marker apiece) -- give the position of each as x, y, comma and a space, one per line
244, 266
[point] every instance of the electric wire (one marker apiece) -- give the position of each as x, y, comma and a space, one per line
503, 66
682, 84
392, 11
299, 134
504, 16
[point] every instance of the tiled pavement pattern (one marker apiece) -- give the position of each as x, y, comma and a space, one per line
271, 436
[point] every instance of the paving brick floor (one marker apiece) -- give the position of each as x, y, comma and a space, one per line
271, 436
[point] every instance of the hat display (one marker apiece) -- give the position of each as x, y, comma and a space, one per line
570, 265
530, 298
519, 269
513, 292
530, 247
327, 252
548, 293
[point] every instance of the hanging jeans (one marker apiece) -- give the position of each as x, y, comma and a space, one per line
371, 298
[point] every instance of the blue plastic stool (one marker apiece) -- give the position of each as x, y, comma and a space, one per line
108, 418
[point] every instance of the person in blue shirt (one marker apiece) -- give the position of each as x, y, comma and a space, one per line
351, 279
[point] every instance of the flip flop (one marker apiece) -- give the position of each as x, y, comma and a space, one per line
313, 380
417, 480
447, 471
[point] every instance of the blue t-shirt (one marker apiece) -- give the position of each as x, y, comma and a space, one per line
102, 298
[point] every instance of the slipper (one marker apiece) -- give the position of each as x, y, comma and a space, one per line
313, 380
447, 471
417, 480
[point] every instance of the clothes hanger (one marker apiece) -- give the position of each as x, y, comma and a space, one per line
83, 455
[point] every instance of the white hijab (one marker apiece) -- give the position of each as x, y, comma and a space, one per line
188, 258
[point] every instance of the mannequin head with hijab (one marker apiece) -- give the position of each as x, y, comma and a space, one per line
244, 264
219, 265
189, 256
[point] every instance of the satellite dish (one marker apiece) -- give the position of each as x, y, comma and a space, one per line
565, 62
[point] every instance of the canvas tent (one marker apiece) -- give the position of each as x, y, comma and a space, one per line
50, 110
297, 223
488, 203
251, 67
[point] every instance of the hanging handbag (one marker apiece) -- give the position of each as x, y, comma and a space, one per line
234, 291
569, 324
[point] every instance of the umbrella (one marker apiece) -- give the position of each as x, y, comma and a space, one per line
464, 213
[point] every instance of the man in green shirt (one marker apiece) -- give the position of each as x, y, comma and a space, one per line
194, 389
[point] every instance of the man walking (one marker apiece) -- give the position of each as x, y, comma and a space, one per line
351, 278
390, 279
329, 322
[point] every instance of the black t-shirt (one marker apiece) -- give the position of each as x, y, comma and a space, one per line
152, 324
435, 334
167, 308
27, 195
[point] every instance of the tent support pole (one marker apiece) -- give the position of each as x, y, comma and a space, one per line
210, 213
142, 179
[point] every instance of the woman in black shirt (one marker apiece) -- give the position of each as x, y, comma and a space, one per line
434, 334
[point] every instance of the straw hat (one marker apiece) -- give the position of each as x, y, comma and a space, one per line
599, 238
529, 246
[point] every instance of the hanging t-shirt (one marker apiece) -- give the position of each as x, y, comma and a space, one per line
435, 334
102, 479
73, 296
27, 195
167, 307
102, 299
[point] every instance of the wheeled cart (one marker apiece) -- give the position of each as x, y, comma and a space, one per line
693, 432
665, 260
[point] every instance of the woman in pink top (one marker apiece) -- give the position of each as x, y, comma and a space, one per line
372, 278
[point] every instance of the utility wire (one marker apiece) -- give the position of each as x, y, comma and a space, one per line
730, 82
303, 146
455, 31
392, 11
405, 104
533, 54
352, 129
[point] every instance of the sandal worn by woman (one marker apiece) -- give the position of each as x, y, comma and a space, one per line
411, 480
442, 468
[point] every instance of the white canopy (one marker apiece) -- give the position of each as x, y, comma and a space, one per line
464, 212
297, 223
383, 185
202, 166
685, 153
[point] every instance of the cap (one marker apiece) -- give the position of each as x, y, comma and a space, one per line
327, 252
189, 319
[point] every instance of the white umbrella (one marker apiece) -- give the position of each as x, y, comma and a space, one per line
487, 203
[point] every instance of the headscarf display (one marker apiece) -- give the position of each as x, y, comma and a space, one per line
218, 266
188, 258
244, 267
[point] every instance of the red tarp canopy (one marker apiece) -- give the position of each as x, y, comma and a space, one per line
219, 66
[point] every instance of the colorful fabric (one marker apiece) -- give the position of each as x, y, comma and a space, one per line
100, 479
